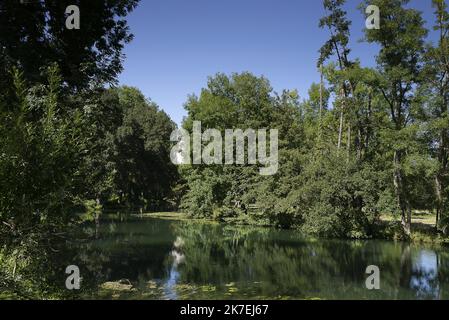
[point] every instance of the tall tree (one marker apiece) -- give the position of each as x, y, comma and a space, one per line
127, 158
338, 26
145, 174
436, 87
401, 41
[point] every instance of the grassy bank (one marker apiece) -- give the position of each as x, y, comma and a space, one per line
423, 229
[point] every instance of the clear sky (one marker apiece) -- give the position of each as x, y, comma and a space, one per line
179, 43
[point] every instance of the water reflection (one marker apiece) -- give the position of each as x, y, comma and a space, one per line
186, 260
178, 258
194, 260
425, 275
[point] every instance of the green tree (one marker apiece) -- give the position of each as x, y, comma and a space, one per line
401, 41
436, 88
33, 35
127, 159
39, 148
145, 174
338, 26
240, 101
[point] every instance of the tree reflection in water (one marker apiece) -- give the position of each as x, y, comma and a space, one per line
178, 258
190, 260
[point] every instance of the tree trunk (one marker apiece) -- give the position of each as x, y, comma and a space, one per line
402, 201
439, 196
97, 219
320, 124
321, 92
340, 130
442, 170
349, 142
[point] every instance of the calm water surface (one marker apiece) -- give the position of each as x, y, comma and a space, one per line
165, 259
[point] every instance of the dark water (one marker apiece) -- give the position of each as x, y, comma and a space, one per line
189, 260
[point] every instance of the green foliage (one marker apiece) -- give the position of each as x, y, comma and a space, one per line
33, 35
340, 200
39, 155
117, 149
92, 209
67, 144
125, 158
365, 142
338, 25
434, 96
317, 189
241, 101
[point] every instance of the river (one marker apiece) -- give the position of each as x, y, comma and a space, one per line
176, 259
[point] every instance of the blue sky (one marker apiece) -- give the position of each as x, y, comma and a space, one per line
179, 43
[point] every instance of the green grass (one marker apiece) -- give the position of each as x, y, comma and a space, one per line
423, 228
418, 218
164, 215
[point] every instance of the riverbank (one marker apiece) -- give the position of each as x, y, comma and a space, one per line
423, 229
423, 226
